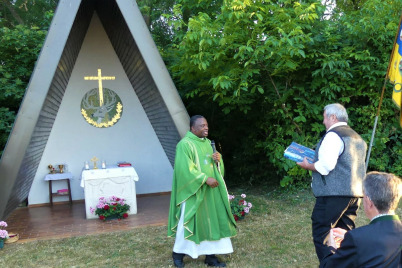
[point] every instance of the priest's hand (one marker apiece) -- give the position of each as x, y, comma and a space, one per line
212, 182
216, 157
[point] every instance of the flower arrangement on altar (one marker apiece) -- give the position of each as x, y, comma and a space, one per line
239, 206
111, 208
3, 233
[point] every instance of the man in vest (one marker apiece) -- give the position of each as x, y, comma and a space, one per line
200, 216
338, 173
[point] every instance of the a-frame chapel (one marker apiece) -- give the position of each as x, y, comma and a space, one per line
99, 89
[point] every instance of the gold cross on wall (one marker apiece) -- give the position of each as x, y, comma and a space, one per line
100, 78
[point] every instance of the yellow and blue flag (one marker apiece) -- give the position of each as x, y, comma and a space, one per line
394, 73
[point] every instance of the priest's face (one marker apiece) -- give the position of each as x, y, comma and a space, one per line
200, 128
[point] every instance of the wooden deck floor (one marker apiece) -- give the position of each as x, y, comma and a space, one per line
64, 220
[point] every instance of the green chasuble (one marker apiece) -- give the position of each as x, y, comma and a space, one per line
207, 215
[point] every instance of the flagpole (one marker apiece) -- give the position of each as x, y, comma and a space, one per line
375, 124
382, 95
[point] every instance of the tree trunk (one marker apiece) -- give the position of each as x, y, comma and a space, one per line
15, 15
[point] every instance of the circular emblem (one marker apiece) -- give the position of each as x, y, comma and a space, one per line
101, 108
398, 86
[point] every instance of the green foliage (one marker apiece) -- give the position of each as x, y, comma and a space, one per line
152, 11
19, 48
23, 28
267, 69
26, 12
240, 46
6, 120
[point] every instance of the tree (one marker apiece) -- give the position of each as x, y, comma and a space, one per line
24, 28
278, 63
25, 12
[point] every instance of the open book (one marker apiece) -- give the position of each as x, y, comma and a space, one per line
297, 152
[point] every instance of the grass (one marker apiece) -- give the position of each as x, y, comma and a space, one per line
277, 233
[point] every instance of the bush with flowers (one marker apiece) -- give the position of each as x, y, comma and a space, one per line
239, 206
3, 233
112, 207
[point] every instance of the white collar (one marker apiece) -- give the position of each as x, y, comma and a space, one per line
381, 215
337, 125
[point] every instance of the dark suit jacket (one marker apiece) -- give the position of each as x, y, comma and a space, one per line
378, 244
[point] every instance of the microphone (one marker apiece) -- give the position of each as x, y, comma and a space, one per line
213, 146
214, 150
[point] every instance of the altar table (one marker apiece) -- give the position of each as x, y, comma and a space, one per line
112, 181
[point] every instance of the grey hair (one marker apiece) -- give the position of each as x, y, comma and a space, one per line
383, 189
338, 110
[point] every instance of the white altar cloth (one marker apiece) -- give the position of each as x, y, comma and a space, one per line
112, 181
58, 176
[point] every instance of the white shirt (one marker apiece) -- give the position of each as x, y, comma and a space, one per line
381, 215
331, 148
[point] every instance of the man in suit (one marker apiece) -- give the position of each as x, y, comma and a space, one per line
378, 244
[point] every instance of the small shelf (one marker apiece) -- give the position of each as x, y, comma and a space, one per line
68, 194
57, 194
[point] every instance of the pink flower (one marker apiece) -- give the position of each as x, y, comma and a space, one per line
231, 197
247, 209
245, 203
243, 196
3, 224
111, 206
3, 234
250, 205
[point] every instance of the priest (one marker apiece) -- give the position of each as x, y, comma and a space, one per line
200, 216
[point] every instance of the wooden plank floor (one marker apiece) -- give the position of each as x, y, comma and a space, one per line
64, 220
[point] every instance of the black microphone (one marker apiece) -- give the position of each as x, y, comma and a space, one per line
213, 148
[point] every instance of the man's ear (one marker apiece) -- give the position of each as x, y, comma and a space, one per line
370, 203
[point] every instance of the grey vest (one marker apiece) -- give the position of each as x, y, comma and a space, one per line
347, 176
